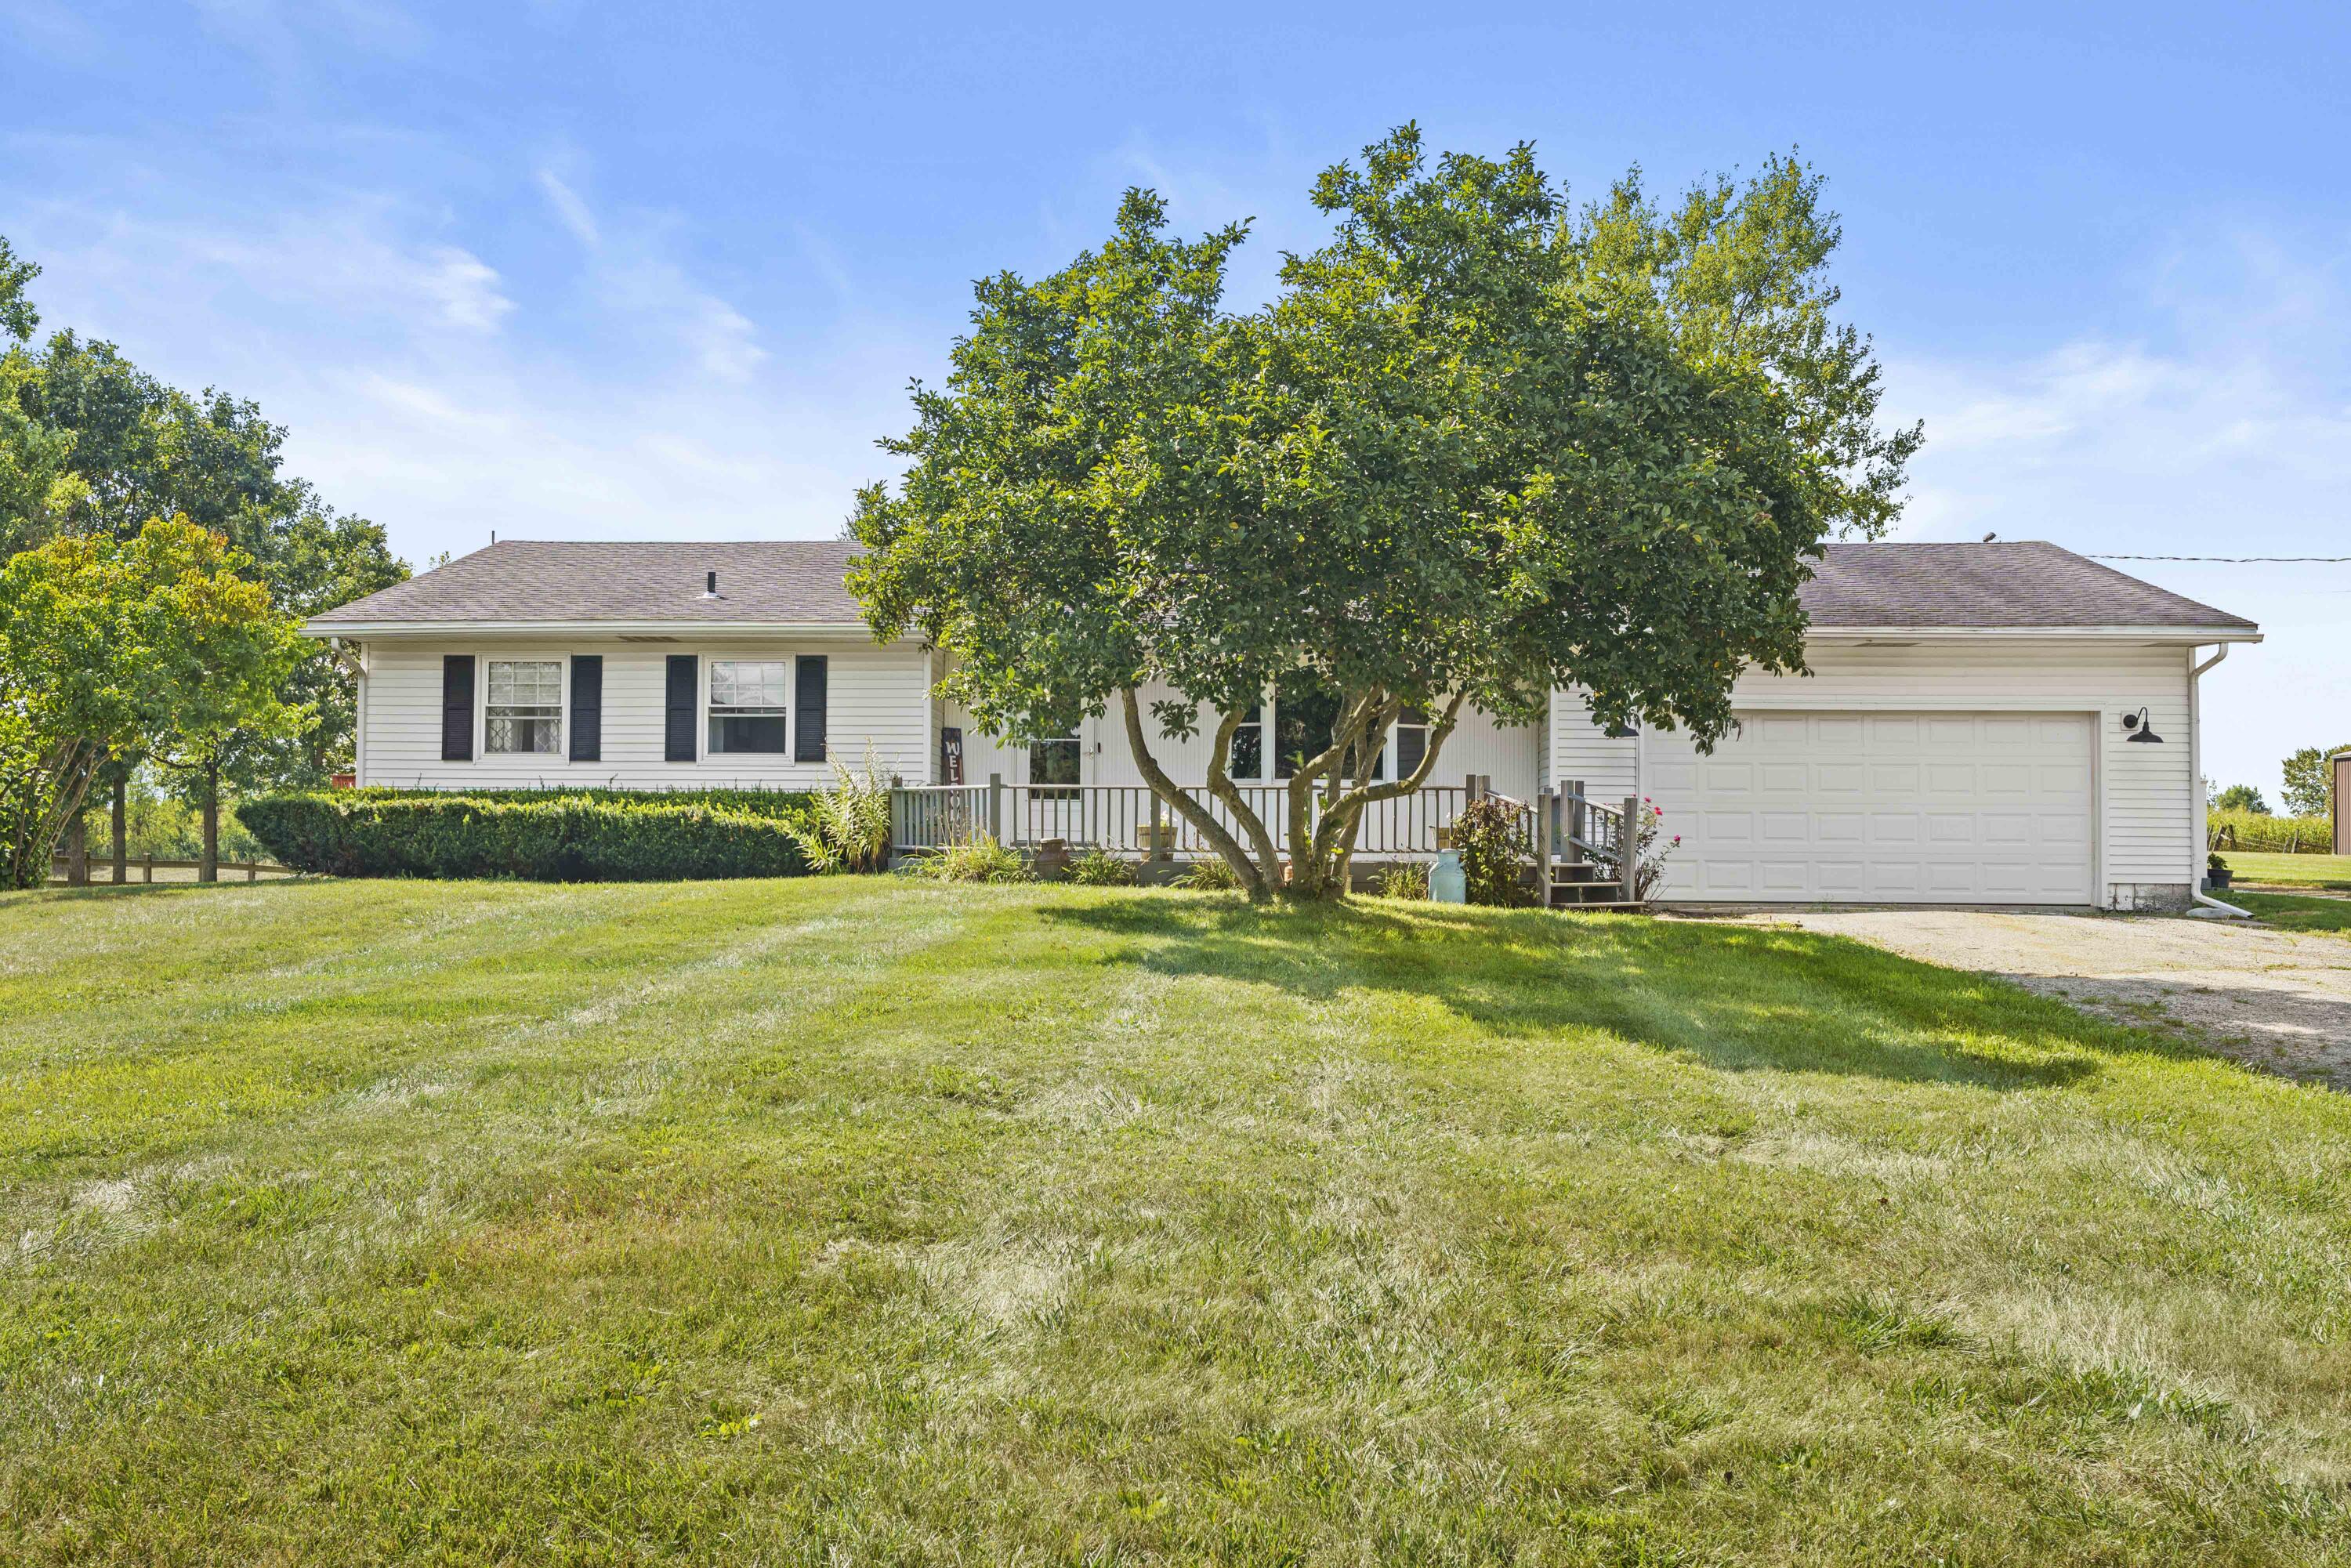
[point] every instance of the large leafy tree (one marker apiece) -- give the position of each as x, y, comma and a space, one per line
91, 444
161, 645
1482, 447
2309, 792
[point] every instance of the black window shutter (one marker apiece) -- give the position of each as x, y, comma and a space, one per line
807, 708
587, 708
457, 707
677, 732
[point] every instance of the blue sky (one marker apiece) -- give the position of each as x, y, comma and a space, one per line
568, 270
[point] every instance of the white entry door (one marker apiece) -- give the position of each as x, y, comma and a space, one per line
1881, 808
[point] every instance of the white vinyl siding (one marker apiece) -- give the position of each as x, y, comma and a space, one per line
1582, 752
874, 693
1477, 745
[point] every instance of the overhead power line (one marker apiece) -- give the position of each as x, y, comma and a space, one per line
2232, 560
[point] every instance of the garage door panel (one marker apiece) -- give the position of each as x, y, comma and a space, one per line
1960, 878
1831, 734
1893, 879
1925, 808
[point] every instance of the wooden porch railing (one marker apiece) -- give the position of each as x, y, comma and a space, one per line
1130, 820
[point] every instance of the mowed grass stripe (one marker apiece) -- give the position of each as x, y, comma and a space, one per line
787, 1222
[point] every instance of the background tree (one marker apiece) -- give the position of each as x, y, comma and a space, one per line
1482, 447
2309, 792
2241, 798
159, 645
91, 444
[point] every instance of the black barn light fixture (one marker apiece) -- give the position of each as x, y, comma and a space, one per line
2142, 733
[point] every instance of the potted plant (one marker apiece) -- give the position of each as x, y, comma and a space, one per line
2216, 871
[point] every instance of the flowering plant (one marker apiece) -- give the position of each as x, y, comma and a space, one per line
1650, 854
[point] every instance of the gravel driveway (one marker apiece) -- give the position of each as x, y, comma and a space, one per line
2276, 999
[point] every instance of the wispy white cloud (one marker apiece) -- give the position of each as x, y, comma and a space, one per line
632, 272
2220, 430
569, 208
350, 259
50, 27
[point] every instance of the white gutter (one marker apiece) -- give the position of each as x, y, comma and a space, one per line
325, 628
2196, 785
2192, 635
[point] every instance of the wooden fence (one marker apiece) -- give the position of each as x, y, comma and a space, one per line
142, 870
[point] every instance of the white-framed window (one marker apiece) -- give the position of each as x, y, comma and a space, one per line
749, 698
525, 710
1053, 760
1247, 762
1411, 740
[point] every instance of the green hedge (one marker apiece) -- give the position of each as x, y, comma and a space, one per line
602, 835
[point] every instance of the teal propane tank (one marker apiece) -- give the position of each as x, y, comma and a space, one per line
1446, 882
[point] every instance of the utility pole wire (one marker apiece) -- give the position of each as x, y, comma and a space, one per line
2232, 560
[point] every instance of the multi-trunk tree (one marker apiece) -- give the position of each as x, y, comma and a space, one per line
1483, 447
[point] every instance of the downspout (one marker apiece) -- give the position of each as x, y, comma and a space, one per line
2196, 785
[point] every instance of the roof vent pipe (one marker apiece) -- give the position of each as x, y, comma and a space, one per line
710, 586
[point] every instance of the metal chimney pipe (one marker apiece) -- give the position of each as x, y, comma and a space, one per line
710, 588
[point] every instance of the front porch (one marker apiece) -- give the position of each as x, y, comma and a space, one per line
1572, 840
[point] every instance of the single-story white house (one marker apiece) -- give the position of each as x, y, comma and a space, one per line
1983, 724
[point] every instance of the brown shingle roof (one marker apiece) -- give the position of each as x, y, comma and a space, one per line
2028, 583
798, 581
789, 581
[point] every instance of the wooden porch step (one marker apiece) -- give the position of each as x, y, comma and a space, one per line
1588, 895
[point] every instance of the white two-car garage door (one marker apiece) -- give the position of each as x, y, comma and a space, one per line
1880, 808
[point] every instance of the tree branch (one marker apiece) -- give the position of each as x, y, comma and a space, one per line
1221, 786
1191, 811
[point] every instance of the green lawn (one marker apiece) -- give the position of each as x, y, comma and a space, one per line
857, 1221
2295, 914
2290, 871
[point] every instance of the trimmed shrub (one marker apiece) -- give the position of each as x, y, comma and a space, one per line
599, 836
792, 804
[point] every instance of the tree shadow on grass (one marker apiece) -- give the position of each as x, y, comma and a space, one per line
1738, 1000
59, 892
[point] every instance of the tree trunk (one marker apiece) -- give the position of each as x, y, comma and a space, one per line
42, 798
119, 823
78, 852
209, 870
1321, 863
1191, 811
